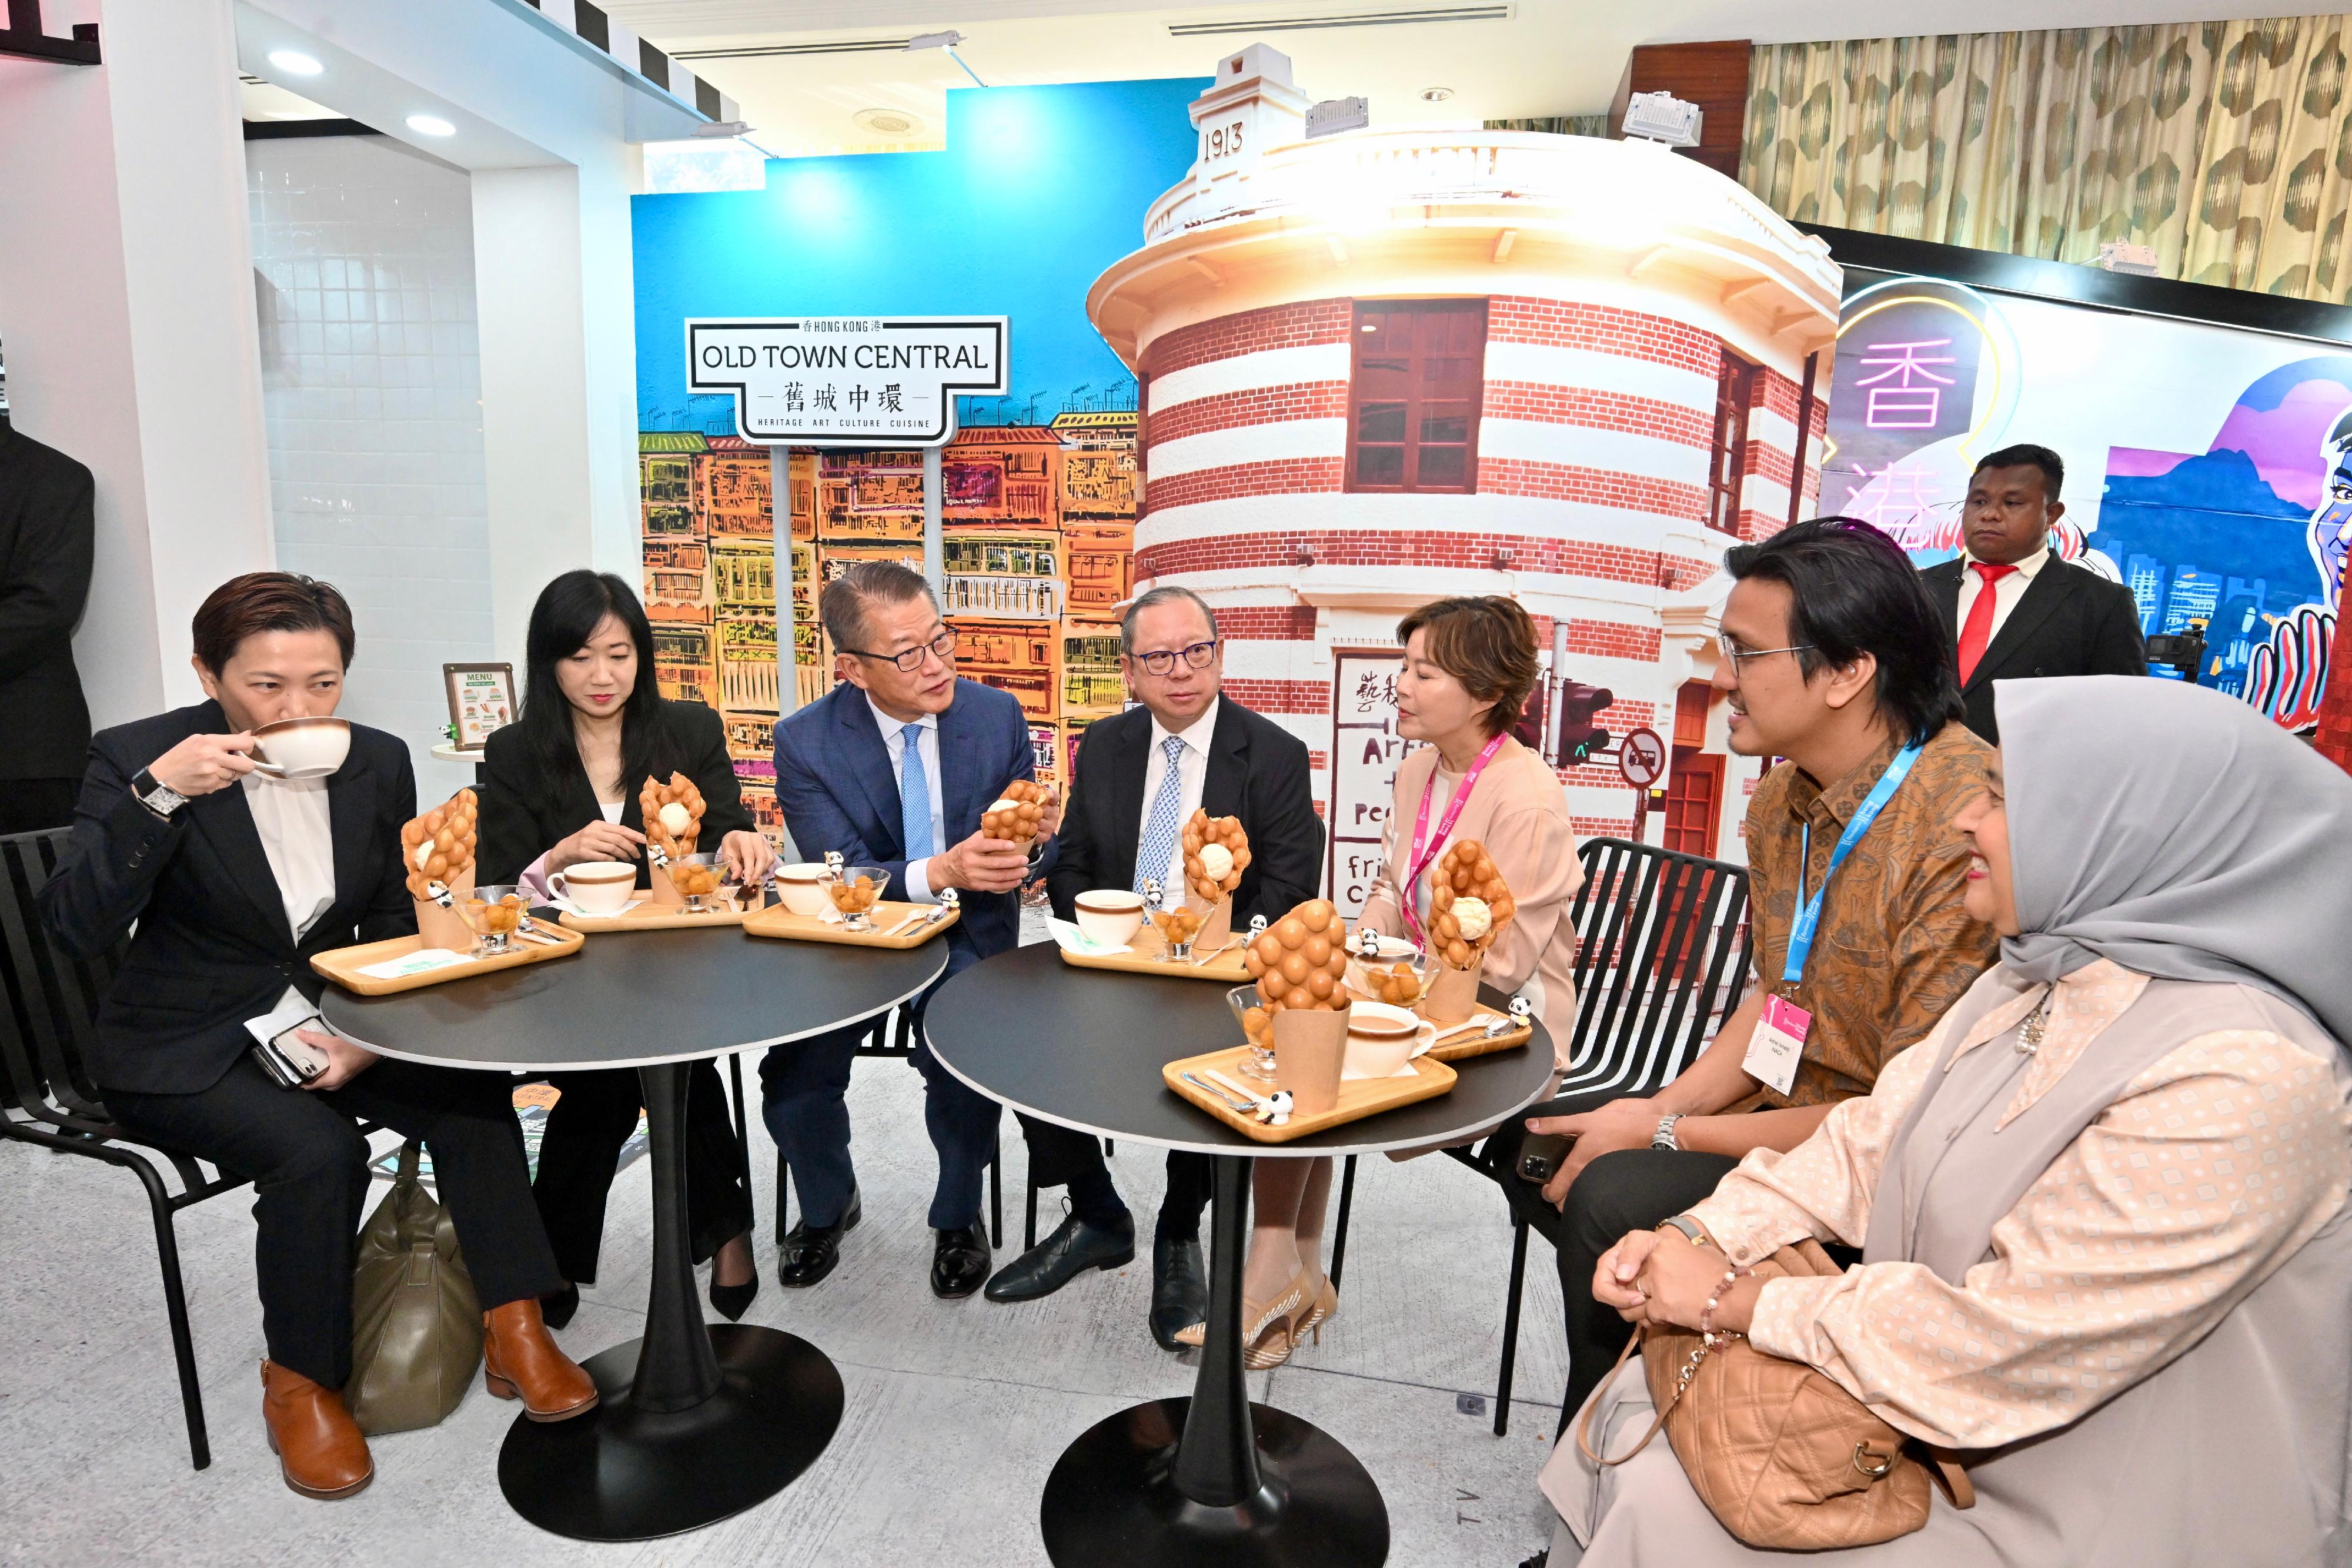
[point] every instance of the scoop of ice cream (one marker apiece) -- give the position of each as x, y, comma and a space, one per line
1003, 804
1216, 861
676, 818
1474, 918
424, 853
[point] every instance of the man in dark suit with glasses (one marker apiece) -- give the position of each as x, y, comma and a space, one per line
1139, 778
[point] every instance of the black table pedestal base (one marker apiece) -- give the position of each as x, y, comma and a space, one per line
1113, 1498
619, 1473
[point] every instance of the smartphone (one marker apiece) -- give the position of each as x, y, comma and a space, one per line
290, 1060
1540, 1155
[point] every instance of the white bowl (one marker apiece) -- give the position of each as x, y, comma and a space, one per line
301, 747
600, 887
1380, 1039
1110, 915
802, 887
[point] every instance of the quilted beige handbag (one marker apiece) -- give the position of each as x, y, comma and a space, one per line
1784, 1458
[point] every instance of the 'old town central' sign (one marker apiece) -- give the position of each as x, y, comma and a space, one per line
848, 380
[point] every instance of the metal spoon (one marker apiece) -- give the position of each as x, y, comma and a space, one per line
1243, 1105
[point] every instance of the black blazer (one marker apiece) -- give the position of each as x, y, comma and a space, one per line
45, 527
527, 811
1258, 771
213, 948
2071, 622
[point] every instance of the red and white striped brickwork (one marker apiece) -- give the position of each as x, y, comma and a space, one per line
1593, 448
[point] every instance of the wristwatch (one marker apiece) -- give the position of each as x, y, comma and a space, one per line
1664, 1138
1688, 1227
159, 799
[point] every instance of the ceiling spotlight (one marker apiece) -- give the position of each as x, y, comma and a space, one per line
1435, 94
295, 63
431, 125
888, 121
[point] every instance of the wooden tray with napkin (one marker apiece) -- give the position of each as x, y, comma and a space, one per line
1147, 953
396, 964
894, 925
1359, 1097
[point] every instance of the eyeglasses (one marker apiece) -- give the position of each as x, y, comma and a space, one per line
942, 647
1740, 656
1160, 661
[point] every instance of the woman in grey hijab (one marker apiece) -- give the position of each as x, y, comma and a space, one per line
2106, 1262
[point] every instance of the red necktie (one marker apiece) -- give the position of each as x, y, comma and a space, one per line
1978, 631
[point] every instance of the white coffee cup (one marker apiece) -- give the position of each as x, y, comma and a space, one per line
301, 747
1110, 915
598, 887
802, 888
1380, 1039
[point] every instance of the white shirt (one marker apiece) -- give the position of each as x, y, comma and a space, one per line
290, 815
2005, 593
926, 740
1192, 776
611, 809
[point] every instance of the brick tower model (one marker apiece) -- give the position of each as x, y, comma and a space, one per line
1383, 367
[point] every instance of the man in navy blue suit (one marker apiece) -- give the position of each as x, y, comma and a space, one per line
893, 768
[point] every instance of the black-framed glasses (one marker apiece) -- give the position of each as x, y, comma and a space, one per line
1740, 656
942, 647
1160, 661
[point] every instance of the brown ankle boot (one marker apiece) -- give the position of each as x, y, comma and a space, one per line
520, 1361
320, 1448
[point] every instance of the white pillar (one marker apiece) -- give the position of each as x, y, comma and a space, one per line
127, 307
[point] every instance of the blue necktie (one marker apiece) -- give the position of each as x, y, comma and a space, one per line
914, 797
1160, 828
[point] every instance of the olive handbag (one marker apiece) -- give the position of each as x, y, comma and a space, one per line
1783, 1456
416, 1327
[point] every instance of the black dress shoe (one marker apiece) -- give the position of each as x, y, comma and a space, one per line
1180, 1290
959, 1262
810, 1252
556, 1311
1073, 1248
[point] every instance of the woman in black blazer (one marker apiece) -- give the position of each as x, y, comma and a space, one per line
559, 787
234, 881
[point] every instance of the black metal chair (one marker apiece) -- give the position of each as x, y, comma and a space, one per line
1662, 949
47, 1098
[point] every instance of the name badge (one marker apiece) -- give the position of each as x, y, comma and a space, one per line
1777, 1045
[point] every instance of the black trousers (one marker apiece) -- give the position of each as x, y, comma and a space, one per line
1631, 1189
308, 1165
580, 1153
1060, 1156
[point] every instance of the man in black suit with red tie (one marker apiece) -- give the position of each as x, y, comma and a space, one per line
1139, 777
2015, 610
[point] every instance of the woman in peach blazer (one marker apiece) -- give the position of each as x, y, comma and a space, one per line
1469, 666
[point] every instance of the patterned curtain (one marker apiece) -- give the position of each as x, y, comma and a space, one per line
2226, 146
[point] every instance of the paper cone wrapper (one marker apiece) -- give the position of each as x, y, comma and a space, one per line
1216, 921
663, 892
1310, 1046
443, 927
1453, 996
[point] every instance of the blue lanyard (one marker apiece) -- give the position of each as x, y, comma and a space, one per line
1809, 911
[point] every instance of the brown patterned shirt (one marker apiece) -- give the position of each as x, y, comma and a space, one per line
1894, 948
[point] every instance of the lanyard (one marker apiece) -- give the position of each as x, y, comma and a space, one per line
1418, 861
1809, 911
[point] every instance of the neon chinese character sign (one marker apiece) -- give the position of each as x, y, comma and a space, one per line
1914, 400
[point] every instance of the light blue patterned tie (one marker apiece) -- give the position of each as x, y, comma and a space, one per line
914, 797
1161, 829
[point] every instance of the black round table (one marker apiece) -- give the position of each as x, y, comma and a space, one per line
694, 1423
1212, 1478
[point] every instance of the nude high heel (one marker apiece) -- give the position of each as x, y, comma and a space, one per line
1326, 1303
1268, 1328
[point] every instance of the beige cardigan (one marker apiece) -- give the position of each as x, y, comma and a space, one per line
1519, 812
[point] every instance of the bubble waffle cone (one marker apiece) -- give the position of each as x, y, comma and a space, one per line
675, 841
1017, 812
1300, 961
1466, 881
1203, 879
438, 847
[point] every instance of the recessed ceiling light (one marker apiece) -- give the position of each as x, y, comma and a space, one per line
888, 121
431, 125
1435, 94
293, 62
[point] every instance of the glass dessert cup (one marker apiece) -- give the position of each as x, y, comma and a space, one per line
1244, 1000
1400, 982
854, 892
1177, 928
494, 915
698, 878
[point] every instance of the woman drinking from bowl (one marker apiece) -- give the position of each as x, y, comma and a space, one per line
1469, 666
560, 794
2102, 1209
233, 879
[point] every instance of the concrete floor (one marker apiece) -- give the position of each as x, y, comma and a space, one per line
956, 1410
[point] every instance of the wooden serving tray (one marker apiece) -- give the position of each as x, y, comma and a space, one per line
777, 920
1147, 954
1464, 1046
652, 917
1359, 1097
343, 964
